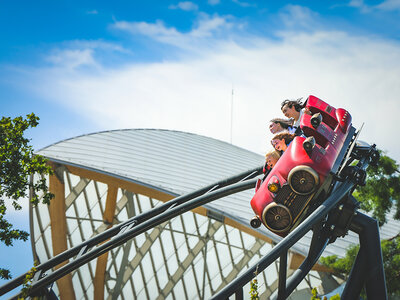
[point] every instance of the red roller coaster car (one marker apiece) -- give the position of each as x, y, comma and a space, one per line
302, 174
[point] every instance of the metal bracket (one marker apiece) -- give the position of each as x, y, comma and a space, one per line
59, 172
339, 220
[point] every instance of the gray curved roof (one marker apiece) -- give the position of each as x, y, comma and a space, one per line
172, 161
177, 163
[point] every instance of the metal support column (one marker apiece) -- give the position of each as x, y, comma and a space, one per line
368, 267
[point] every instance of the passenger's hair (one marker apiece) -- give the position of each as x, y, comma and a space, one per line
273, 153
285, 123
284, 135
298, 105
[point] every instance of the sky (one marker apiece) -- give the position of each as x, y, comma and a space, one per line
218, 68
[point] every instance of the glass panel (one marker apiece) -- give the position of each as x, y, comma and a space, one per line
41, 251
127, 291
90, 290
36, 229
157, 254
162, 276
77, 286
146, 264
44, 214
91, 194
179, 291
74, 179
172, 264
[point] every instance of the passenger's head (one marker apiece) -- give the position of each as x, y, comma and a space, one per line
291, 108
272, 157
281, 140
277, 125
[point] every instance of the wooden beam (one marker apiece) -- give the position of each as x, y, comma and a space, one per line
248, 230
295, 260
124, 184
59, 231
101, 264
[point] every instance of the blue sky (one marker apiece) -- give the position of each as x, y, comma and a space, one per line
102, 65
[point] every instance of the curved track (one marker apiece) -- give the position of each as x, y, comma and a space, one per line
333, 218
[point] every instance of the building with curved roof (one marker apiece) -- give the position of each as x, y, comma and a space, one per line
107, 177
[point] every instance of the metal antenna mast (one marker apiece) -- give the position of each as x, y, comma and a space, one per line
231, 113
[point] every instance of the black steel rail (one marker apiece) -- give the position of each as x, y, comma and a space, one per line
87, 250
130, 229
284, 245
368, 268
328, 221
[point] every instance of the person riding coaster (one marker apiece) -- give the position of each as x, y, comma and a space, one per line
298, 177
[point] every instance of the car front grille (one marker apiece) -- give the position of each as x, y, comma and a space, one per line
294, 202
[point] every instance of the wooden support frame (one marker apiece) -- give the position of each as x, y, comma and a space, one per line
113, 184
121, 183
101, 264
59, 231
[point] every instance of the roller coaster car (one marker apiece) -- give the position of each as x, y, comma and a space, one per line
301, 176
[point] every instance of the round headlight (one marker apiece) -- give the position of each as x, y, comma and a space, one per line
273, 184
277, 217
303, 180
255, 222
273, 187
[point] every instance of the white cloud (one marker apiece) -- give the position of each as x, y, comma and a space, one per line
194, 93
389, 5
76, 54
155, 30
243, 3
186, 5
95, 44
71, 59
364, 8
92, 12
206, 28
298, 17
214, 2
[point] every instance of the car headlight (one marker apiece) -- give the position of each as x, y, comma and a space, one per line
273, 184
303, 180
277, 217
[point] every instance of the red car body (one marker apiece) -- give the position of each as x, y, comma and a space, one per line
298, 177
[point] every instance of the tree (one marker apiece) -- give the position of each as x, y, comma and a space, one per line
379, 195
382, 189
17, 163
391, 263
314, 296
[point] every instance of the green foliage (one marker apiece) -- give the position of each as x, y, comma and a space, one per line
391, 263
5, 274
382, 189
314, 296
381, 192
17, 162
254, 290
341, 265
28, 281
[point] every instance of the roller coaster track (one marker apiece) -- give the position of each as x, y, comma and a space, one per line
121, 233
331, 219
